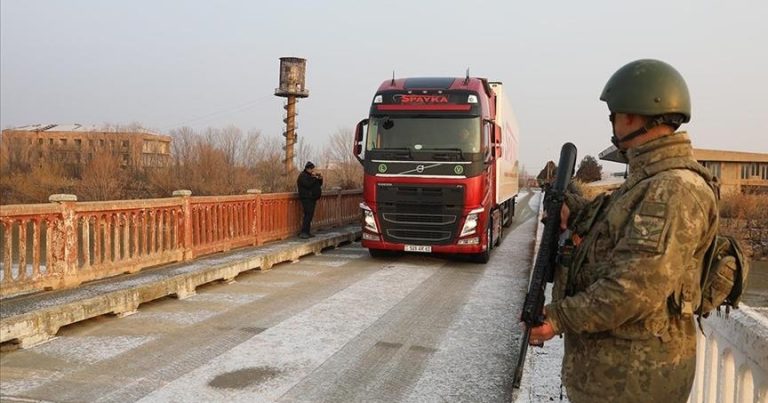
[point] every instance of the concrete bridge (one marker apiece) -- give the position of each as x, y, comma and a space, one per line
222, 303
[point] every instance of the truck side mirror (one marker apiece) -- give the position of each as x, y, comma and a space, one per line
496, 134
357, 148
495, 146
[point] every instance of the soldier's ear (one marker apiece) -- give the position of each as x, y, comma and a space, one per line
631, 119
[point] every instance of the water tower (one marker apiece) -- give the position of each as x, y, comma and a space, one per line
292, 87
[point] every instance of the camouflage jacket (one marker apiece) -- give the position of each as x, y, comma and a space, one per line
635, 276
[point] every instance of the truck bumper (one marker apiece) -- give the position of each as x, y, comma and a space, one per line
453, 248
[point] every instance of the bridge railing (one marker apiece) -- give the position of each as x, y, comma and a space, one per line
65, 243
732, 358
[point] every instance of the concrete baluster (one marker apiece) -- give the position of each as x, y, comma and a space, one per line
256, 223
186, 208
64, 242
337, 215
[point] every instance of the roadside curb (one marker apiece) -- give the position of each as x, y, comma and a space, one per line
33, 319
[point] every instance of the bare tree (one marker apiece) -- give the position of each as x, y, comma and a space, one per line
214, 161
36, 185
343, 168
15, 154
268, 170
304, 152
103, 178
229, 141
182, 142
247, 152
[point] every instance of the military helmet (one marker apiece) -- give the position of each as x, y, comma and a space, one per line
648, 87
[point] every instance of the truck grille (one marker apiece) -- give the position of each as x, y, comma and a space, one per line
414, 235
420, 214
425, 219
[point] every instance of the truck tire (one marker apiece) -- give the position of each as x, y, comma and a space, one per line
484, 257
501, 235
510, 211
498, 226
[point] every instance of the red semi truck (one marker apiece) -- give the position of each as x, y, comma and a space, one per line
441, 169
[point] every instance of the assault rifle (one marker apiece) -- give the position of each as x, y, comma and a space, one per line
543, 269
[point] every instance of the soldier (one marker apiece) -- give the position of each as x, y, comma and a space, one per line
633, 282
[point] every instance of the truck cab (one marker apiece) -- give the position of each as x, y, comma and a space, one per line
432, 150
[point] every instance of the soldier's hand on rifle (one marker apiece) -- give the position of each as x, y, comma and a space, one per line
565, 212
540, 334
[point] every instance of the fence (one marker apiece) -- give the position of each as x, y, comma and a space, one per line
66, 243
732, 362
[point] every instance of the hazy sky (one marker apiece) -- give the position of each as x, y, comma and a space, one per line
213, 63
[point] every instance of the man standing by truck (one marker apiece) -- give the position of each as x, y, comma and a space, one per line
309, 184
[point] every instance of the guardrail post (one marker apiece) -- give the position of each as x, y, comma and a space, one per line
337, 216
64, 243
186, 208
256, 224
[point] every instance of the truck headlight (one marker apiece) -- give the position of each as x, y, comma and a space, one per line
470, 223
369, 218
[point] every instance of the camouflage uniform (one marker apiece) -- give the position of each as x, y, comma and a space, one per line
633, 282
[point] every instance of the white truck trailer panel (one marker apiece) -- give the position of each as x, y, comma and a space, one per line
507, 167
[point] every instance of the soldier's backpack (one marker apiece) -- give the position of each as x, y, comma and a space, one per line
725, 268
724, 275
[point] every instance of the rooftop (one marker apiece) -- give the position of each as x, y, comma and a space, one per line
77, 127
700, 154
728, 156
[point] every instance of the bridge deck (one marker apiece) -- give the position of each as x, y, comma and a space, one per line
339, 326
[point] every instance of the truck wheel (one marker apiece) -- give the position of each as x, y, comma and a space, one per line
501, 234
484, 257
510, 211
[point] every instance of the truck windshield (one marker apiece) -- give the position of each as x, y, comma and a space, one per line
424, 133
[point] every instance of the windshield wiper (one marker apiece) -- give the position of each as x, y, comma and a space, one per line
394, 150
455, 150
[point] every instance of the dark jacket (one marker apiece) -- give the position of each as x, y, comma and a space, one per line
309, 186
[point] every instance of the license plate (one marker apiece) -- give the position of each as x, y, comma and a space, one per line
418, 248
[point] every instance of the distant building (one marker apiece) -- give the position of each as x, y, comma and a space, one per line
608, 183
77, 145
738, 171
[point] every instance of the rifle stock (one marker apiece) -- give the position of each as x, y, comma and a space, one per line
543, 268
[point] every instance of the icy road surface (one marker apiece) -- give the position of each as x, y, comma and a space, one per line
340, 326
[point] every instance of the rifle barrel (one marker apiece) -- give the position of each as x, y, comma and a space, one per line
533, 307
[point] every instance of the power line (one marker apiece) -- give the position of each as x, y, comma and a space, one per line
233, 109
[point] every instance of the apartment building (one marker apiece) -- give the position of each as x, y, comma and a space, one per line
77, 145
738, 171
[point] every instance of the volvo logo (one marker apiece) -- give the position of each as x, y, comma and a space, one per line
419, 168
